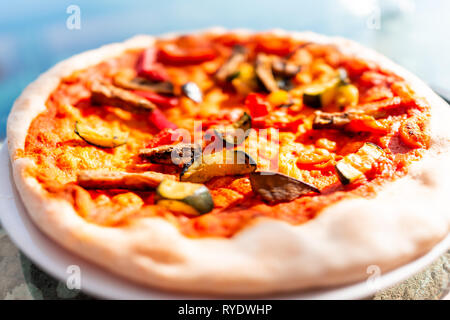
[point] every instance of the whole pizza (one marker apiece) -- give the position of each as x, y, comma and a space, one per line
233, 162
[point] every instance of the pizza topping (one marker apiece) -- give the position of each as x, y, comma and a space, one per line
276, 187
350, 121
126, 79
245, 81
101, 136
284, 68
184, 197
109, 95
318, 147
230, 69
159, 120
264, 72
192, 91
336, 120
148, 68
218, 164
355, 165
257, 105
414, 133
236, 133
173, 54
177, 154
104, 179
320, 95
159, 100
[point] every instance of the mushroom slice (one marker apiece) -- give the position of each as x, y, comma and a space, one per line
181, 153
276, 187
281, 67
106, 94
127, 80
231, 66
333, 120
219, 164
104, 179
264, 72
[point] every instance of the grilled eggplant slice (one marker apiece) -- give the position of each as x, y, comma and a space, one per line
106, 94
104, 179
230, 69
263, 68
276, 187
179, 154
219, 164
184, 197
333, 120
100, 137
355, 165
236, 133
126, 80
192, 91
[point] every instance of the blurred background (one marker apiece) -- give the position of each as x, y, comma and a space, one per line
34, 35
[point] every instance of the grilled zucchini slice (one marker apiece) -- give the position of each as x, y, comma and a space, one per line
355, 165
320, 95
184, 197
100, 137
219, 164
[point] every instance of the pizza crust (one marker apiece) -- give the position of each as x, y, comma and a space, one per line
404, 221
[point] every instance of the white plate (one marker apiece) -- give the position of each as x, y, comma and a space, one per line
55, 260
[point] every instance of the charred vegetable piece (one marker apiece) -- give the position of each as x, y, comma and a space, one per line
230, 69
109, 95
181, 153
101, 137
184, 197
103, 179
282, 67
336, 120
264, 72
236, 133
350, 121
320, 95
219, 164
355, 165
276, 187
126, 79
192, 91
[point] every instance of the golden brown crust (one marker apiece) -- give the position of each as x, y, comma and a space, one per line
405, 220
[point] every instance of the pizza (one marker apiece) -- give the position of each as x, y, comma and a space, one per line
234, 162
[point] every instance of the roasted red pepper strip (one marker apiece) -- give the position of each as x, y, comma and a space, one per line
159, 120
172, 54
257, 105
148, 68
164, 137
160, 100
274, 45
